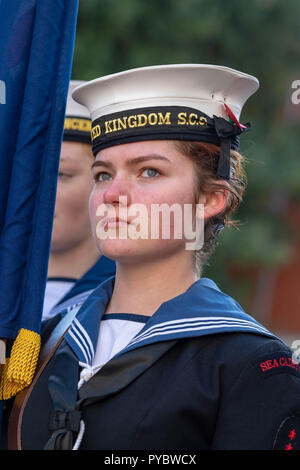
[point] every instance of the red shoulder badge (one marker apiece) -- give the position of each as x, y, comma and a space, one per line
276, 363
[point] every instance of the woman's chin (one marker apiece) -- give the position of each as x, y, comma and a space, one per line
132, 251
118, 250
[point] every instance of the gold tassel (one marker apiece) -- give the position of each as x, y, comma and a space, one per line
19, 368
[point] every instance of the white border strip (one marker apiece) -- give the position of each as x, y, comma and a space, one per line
198, 321
158, 330
78, 333
79, 345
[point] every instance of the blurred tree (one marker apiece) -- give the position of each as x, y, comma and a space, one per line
258, 37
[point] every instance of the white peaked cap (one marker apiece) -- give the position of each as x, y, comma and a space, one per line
200, 86
73, 108
192, 102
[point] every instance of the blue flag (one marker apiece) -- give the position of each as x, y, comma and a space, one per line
36, 50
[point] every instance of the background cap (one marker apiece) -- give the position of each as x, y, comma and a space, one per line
77, 126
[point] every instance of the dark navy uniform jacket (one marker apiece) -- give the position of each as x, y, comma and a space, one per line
201, 374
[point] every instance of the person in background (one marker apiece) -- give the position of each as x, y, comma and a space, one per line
75, 264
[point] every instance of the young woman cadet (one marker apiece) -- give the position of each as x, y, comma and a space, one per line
158, 357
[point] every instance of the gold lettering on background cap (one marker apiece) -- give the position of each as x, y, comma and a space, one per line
77, 124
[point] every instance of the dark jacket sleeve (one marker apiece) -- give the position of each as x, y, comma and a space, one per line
261, 408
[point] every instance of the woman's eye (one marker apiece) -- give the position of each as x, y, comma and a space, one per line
102, 177
149, 173
63, 175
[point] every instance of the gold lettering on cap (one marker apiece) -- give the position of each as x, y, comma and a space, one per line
193, 119
107, 127
132, 121
122, 124
202, 121
95, 132
137, 120
152, 118
164, 119
142, 120
181, 119
114, 121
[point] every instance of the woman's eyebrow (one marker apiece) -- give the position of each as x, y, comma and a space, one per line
145, 158
102, 163
132, 161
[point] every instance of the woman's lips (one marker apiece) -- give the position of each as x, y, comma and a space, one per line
112, 222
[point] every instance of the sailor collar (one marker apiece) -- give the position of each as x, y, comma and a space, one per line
203, 309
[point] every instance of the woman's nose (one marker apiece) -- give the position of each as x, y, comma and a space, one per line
117, 191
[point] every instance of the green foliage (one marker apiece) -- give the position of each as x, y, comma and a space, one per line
260, 37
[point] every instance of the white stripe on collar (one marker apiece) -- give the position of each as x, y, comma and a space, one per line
83, 341
175, 327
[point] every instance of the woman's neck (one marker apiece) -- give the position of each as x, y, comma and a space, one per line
75, 261
141, 290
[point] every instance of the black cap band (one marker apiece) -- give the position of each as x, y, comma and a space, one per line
77, 129
167, 123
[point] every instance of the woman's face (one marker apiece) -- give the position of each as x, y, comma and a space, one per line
131, 182
71, 224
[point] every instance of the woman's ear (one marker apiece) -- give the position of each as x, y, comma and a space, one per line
214, 202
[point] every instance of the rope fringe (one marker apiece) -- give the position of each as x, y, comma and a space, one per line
19, 368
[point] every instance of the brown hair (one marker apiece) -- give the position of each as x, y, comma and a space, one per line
205, 157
